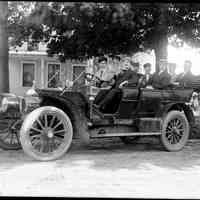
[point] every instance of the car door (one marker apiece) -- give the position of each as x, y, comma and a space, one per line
149, 102
128, 102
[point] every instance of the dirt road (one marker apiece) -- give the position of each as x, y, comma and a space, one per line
105, 169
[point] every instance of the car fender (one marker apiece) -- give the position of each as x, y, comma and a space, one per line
177, 106
74, 111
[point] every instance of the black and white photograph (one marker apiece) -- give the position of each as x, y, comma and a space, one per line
100, 99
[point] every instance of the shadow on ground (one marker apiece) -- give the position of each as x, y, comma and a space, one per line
112, 154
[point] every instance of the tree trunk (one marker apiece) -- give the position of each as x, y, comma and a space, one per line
4, 71
161, 36
161, 49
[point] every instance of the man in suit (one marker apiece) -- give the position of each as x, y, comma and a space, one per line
105, 80
161, 79
102, 70
135, 68
186, 77
146, 79
102, 65
126, 77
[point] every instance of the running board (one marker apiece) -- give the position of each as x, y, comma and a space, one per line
101, 135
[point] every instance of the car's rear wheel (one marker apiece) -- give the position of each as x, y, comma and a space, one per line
175, 131
46, 133
9, 134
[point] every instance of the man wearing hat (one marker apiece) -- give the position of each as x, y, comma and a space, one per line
126, 77
101, 73
161, 79
146, 79
102, 68
186, 77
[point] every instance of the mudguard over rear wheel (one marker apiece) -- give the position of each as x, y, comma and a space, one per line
46, 133
175, 131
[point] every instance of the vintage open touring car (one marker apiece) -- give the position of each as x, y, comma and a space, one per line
60, 115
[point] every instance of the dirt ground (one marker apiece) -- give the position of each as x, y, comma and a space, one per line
106, 168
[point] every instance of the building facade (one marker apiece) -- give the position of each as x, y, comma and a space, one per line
26, 66
47, 72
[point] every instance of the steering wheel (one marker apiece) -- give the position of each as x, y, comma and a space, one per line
91, 77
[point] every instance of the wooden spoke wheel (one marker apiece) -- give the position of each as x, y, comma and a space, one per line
46, 133
175, 131
9, 134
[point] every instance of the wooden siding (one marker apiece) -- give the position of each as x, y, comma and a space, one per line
15, 70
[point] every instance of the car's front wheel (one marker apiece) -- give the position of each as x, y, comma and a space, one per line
175, 131
46, 133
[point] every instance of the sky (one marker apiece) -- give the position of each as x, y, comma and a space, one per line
179, 55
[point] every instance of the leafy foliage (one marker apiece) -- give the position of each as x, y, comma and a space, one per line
79, 30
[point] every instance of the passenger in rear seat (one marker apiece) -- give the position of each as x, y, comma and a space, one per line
186, 77
161, 79
146, 79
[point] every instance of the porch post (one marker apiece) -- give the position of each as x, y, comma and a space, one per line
42, 73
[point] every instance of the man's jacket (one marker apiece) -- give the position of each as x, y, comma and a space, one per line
128, 75
186, 78
161, 80
189, 80
145, 80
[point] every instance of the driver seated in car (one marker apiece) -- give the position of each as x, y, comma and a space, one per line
104, 80
113, 96
103, 72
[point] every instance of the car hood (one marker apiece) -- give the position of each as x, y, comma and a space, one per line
73, 96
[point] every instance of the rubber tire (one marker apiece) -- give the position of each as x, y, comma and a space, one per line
24, 138
183, 141
80, 128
